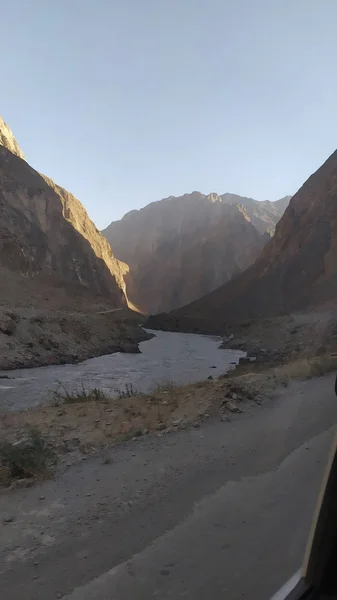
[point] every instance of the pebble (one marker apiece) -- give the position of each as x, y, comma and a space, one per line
9, 519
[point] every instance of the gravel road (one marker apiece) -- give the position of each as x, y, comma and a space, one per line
219, 512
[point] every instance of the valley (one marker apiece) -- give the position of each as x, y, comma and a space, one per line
138, 368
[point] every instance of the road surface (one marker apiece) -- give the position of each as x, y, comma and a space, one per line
219, 512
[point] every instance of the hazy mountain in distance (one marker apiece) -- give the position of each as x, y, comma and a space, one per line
181, 248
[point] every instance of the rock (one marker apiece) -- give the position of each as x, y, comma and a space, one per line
234, 396
22, 483
8, 140
161, 427
233, 407
213, 367
7, 324
9, 519
246, 360
129, 348
209, 377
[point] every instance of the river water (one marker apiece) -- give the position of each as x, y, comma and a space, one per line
175, 357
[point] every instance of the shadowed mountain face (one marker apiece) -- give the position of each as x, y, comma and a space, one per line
50, 251
296, 270
181, 248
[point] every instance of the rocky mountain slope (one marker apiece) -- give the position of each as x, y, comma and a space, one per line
52, 259
296, 270
48, 241
180, 248
7, 140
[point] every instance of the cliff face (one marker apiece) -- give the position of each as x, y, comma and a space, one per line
296, 270
50, 251
181, 248
7, 140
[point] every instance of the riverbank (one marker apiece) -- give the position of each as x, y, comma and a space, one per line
80, 423
271, 341
38, 338
178, 514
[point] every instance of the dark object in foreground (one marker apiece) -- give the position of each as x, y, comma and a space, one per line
318, 578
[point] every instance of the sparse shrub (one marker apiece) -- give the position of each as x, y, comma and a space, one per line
62, 396
32, 456
128, 391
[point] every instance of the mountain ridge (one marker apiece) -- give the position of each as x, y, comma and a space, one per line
47, 234
179, 248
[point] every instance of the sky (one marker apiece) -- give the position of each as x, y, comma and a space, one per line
126, 102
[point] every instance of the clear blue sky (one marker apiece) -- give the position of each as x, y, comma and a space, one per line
125, 102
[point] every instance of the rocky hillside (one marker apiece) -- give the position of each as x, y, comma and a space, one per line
296, 270
60, 282
50, 251
180, 248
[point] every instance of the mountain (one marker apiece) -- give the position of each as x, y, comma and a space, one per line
62, 293
180, 248
50, 251
296, 270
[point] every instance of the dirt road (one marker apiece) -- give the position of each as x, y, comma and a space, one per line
218, 512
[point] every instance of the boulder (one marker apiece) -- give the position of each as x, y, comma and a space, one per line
7, 324
129, 348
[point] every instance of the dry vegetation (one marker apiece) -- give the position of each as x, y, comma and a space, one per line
85, 421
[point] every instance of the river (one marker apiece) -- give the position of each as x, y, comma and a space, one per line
175, 357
